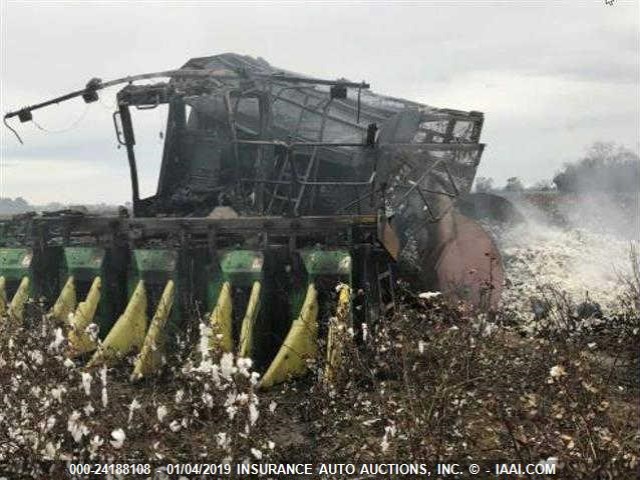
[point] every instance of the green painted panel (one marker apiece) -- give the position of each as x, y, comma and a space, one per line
242, 267
327, 263
84, 262
158, 261
15, 263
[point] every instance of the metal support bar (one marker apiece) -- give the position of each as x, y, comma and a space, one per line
130, 141
140, 228
215, 76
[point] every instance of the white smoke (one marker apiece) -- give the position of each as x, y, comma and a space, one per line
581, 258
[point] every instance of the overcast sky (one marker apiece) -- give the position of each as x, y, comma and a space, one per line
551, 79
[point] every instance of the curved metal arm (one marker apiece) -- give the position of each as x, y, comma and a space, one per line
209, 74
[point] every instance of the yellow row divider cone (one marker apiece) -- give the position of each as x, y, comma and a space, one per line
152, 354
16, 306
300, 345
337, 330
128, 332
80, 341
66, 302
249, 321
221, 320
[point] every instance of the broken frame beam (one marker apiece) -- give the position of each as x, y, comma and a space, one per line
149, 227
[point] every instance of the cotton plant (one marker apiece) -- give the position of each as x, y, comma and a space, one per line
104, 393
58, 410
86, 382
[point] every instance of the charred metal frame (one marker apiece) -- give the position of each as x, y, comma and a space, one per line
149, 97
278, 232
297, 180
191, 83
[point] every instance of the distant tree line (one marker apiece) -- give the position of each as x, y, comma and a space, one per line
606, 167
15, 206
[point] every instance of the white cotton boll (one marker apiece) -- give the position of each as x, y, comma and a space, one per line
133, 406
244, 363
271, 445
161, 412
231, 399
231, 411
36, 357
205, 366
489, 329
205, 340
51, 421
103, 378
272, 406
254, 378
179, 396
57, 340
57, 392
340, 286
421, 346
223, 440
50, 452
207, 399
365, 332
92, 330
175, 426
557, 371
95, 443
226, 366
384, 444
86, 382
75, 427
75, 415
119, 437
253, 414
69, 363
88, 409
215, 376
429, 295
256, 453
